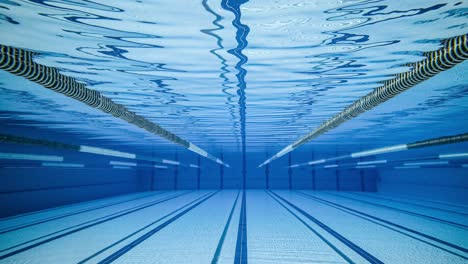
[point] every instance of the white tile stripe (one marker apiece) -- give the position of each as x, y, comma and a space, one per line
121, 167
379, 151
453, 155
407, 167
173, 162
425, 163
121, 163
106, 152
365, 167
372, 162
21, 156
53, 164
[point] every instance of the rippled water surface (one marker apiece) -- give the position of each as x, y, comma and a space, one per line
233, 74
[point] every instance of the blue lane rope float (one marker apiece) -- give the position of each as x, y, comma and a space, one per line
454, 51
20, 62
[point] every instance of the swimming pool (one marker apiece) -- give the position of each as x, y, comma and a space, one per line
233, 131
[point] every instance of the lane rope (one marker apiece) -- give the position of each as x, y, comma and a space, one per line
20, 62
454, 51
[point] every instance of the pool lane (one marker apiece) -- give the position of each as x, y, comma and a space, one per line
344, 247
435, 204
445, 217
37, 216
276, 236
83, 241
227, 250
222, 246
429, 228
233, 226
193, 238
36, 233
55, 215
386, 243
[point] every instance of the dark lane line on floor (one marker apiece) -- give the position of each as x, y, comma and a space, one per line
241, 244
143, 228
432, 218
339, 252
395, 230
65, 206
223, 235
63, 187
412, 198
338, 206
410, 203
366, 255
76, 228
153, 231
18, 227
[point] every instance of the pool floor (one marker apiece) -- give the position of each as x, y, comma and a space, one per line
235, 226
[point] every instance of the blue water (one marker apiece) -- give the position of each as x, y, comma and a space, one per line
241, 80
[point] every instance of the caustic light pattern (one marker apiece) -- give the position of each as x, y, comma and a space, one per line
235, 226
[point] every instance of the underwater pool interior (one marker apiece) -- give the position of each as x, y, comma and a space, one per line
233, 131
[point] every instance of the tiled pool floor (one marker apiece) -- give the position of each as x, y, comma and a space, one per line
233, 226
